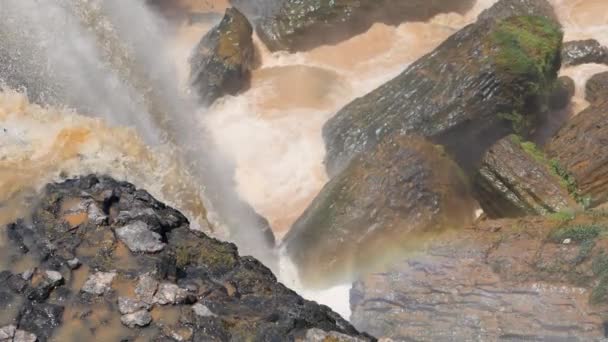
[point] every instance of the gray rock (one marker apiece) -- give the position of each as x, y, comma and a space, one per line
96, 214
146, 288
74, 263
137, 319
583, 52
24, 336
99, 283
170, 294
202, 310
28, 274
53, 278
7, 333
139, 238
318, 335
128, 305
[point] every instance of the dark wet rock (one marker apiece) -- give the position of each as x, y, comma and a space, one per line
127, 288
303, 24
99, 283
583, 52
139, 238
406, 187
516, 179
41, 319
596, 89
44, 284
580, 150
222, 61
484, 82
562, 93
137, 319
500, 280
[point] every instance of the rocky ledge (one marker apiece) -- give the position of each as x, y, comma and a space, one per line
533, 279
100, 259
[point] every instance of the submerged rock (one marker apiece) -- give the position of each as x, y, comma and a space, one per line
484, 82
222, 61
303, 24
501, 280
583, 52
580, 150
131, 291
393, 196
596, 88
516, 179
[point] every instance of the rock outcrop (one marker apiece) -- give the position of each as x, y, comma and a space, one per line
516, 179
222, 61
194, 288
484, 82
596, 88
517, 280
403, 190
580, 149
584, 52
303, 24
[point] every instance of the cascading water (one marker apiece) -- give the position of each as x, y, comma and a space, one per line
117, 61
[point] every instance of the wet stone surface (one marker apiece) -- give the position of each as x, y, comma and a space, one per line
100, 274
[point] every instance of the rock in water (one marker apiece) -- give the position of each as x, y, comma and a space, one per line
584, 52
216, 294
384, 200
484, 82
517, 179
303, 24
580, 150
222, 61
512, 280
596, 89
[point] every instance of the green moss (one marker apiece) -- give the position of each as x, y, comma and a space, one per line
527, 46
577, 233
562, 216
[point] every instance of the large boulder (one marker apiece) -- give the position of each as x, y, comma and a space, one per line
580, 149
528, 279
383, 203
303, 24
596, 88
195, 288
222, 61
482, 83
584, 52
515, 178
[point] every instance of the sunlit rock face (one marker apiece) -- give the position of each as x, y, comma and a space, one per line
485, 81
106, 260
581, 151
531, 279
383, 202
300, 25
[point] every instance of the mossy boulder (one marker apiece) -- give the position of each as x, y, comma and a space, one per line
581, 149
383, 202
516, 179
303, 24
222, 61
484, 82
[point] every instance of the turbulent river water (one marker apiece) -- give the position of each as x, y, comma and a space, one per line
125, 108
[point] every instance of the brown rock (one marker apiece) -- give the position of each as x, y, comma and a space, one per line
596, 89
516, 179
581, 149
